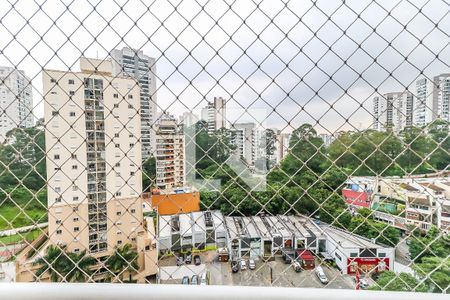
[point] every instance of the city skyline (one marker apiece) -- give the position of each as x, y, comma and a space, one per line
302, 59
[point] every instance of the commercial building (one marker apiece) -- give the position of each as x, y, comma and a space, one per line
169, 153
354, 253
393, 111
192, 230
264, 237
93, 162
16, 101
215, 114
282, 146
134, 63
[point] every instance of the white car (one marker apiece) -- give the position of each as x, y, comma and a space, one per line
321, 275
243, 264
363, 284
251, 264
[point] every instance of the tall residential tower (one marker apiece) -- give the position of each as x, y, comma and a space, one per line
16, 101
134, 63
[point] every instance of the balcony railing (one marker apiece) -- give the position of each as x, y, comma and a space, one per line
105, 291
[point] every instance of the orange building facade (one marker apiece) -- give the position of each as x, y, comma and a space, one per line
173, 203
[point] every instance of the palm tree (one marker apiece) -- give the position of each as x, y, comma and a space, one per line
79, 267
123, 259
54, 263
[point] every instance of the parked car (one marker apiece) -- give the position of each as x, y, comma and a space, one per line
243, 264
234, 266
194, 280
185, 280
188, 259
297, 266
321, 275
251, 264
180, 260
287, 259
363, 283
197, 260
204, 278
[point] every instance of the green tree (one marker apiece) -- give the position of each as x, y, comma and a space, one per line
54, 263
148, 174
79, 267
124, 259
436, 271
403, 282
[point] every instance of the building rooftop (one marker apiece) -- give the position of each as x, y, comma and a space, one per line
185, 225
164, 228
198, 222
347, 239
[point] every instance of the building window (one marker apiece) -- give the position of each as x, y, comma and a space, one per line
116, 105
116, 135
117, 164
119, 213
118, 193
58, 199
353, 254
130, 96
58, 221
75, 198
72, 114
76, 250
56, 156
147, 248
52, 80
76, 229
74, 188
55, 113
133, 210
71, 93
58, 189
71, 81
117, 145
75, 219
130, 106
59, 231
74, 167
119, 242
73, 156
131, 173
381, 254
338, 256
116, 96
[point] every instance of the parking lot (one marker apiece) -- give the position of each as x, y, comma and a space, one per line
273, 273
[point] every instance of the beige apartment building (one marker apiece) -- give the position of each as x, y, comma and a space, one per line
93, 162
169, 154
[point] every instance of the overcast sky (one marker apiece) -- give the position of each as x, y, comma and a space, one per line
291, 58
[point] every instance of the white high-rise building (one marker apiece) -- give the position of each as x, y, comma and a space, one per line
169, 153
243, 136
215, 114
188, 119
134, 63
393, 111
442, 95
16, 101
426, 107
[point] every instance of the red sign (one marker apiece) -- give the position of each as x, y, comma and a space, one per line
367, 264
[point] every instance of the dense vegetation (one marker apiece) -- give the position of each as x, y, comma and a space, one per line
23, 196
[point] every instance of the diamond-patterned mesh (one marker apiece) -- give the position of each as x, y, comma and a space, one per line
267, 143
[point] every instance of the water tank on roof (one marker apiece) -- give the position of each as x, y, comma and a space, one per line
355, 187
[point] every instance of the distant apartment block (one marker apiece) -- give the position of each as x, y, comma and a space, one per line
282, 146
93, 161
16, 101
170, 168
243, 136
433, 96
188, 119
393, 111
134, 63
215, 114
